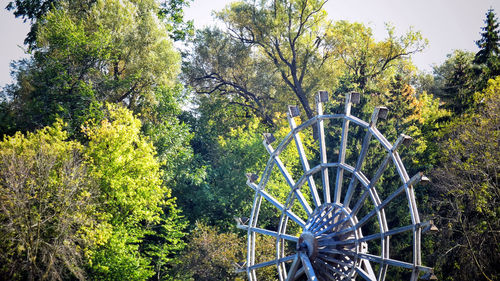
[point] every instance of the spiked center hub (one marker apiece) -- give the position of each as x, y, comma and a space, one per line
329, 240
308, 244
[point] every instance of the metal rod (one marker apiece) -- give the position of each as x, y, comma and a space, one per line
278, 205
271, 262
342, 149
305, 163
322, 153
306, 263
293, 269
365, 274
269, 233
289, 180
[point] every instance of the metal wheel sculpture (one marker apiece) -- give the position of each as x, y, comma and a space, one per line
332, 245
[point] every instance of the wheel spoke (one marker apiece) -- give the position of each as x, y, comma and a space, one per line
327, 258
373, 182
321, 222
277, 204
391, 197
342, 150
293, 269
327, 270
308, 269
393, 262
289, 180
269, 233
361, 157
322, 151
367, 267
337, 224
304, 162
365, 275
271, 262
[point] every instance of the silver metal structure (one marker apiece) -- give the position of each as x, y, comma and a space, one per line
331, 244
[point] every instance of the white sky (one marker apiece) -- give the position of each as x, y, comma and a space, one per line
447, 24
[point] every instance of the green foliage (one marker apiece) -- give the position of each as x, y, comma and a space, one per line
48, 203
123, 163
117, 51
98, 210
488, 57
170, 11
290, 34
367, 62
280, 53
454, 81
32, 10
467, 191
210, 255
226, 70
88, 53
490, 40
463, 73
223, 157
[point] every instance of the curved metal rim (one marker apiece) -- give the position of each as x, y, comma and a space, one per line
356, 175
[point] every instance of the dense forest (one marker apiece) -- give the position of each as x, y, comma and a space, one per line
123, 157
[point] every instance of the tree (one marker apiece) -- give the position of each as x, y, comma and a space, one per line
490, 40
117, 51
47, 205
291, 34
98, 211
171, 12
487, 60
454, 81
363, 58
123, 163
212, 255
33, 11
225, 69
284, 51
467, 192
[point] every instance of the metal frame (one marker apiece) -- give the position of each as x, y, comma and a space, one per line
340, 249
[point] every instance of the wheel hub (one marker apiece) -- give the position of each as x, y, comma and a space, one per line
308, 244
329, 234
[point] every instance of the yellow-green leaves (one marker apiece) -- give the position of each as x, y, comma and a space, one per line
123, 163
467, 185
69, 204
133, 198
46, 207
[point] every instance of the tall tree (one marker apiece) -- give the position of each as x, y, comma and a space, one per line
123, 163
454, 81
466, 192
489, 44
171, 12
116, 52
294, 49
487, 60
291, 34
221, 67
47, 201
364, 60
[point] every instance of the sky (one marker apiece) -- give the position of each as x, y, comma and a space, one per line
447, 24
